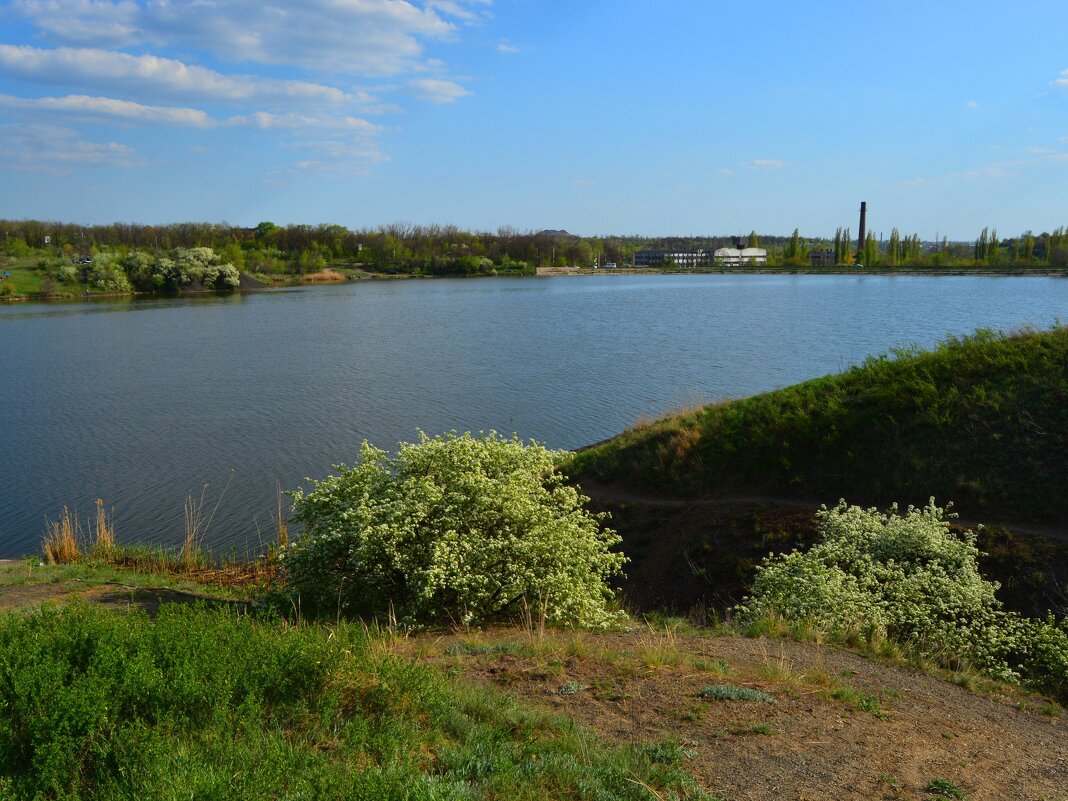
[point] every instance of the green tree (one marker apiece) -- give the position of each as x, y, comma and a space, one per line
754, 240
454, 528
893, 253
871, 251
793, 248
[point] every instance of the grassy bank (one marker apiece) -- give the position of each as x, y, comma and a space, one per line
981, 421
204, 703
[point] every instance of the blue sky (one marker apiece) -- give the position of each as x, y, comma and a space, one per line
600, 117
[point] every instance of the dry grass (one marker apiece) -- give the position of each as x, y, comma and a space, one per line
280, 523
103, 532
193, 531
61, 539
326, 276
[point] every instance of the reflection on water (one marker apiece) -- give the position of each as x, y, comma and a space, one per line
143, 409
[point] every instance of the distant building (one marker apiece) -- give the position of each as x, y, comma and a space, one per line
733, 257
679, 258
754, 256
822, 258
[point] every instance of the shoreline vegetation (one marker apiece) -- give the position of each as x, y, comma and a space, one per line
58, 261
133, 672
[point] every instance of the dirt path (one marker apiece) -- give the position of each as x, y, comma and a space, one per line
841, 726
608, 493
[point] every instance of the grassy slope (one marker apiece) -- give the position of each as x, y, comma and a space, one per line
201, 703
981, 421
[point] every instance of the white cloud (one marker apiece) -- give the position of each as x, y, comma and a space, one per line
971, 104
110, 70
724, 171
1060, 158
107, 107
766, 164
989, 171
357, 37
53, 149
1062, 81
435, 90
265, 120
507, 48
84, 105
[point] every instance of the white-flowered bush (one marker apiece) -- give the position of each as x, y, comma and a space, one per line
454, 528
908, 578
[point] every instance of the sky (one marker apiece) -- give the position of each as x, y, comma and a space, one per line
676, 117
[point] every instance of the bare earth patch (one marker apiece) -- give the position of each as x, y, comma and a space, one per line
841, 726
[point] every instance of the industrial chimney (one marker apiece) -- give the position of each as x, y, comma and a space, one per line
863, 233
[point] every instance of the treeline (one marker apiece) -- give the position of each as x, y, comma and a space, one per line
448, 250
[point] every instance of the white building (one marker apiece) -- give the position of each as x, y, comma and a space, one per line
733, 257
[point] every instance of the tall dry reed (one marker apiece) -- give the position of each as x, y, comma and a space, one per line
61, 539
103, 532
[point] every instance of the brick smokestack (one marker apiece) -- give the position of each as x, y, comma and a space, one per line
863, 232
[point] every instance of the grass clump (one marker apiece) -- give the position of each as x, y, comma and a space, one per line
732, 692
203, 703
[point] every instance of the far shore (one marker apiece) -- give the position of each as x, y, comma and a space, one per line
260, 283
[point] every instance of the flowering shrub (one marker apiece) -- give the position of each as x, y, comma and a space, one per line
454, 528
909, 578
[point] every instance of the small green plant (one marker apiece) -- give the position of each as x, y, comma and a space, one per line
944, 789
571, 688
865, 703
731, 692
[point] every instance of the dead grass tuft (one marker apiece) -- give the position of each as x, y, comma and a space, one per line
103, 532
61, 539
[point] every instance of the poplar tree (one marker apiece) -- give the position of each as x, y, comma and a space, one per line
894, 252
871, 250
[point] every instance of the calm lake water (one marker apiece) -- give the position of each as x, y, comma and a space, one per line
144, 402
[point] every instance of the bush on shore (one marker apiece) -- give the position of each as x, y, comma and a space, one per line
455, 528
908, 578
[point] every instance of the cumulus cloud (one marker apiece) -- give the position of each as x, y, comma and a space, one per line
507, 48
305, 72
55, 149
357, 37
266, 120
114, 71
435, 90
766, 164
83, 105
971, 104
1062, 81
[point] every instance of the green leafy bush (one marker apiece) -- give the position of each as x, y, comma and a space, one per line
455, 528
908, 578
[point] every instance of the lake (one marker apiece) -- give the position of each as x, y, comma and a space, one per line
143, 402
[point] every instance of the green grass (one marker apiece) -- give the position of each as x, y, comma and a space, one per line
981, 421
203, 703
